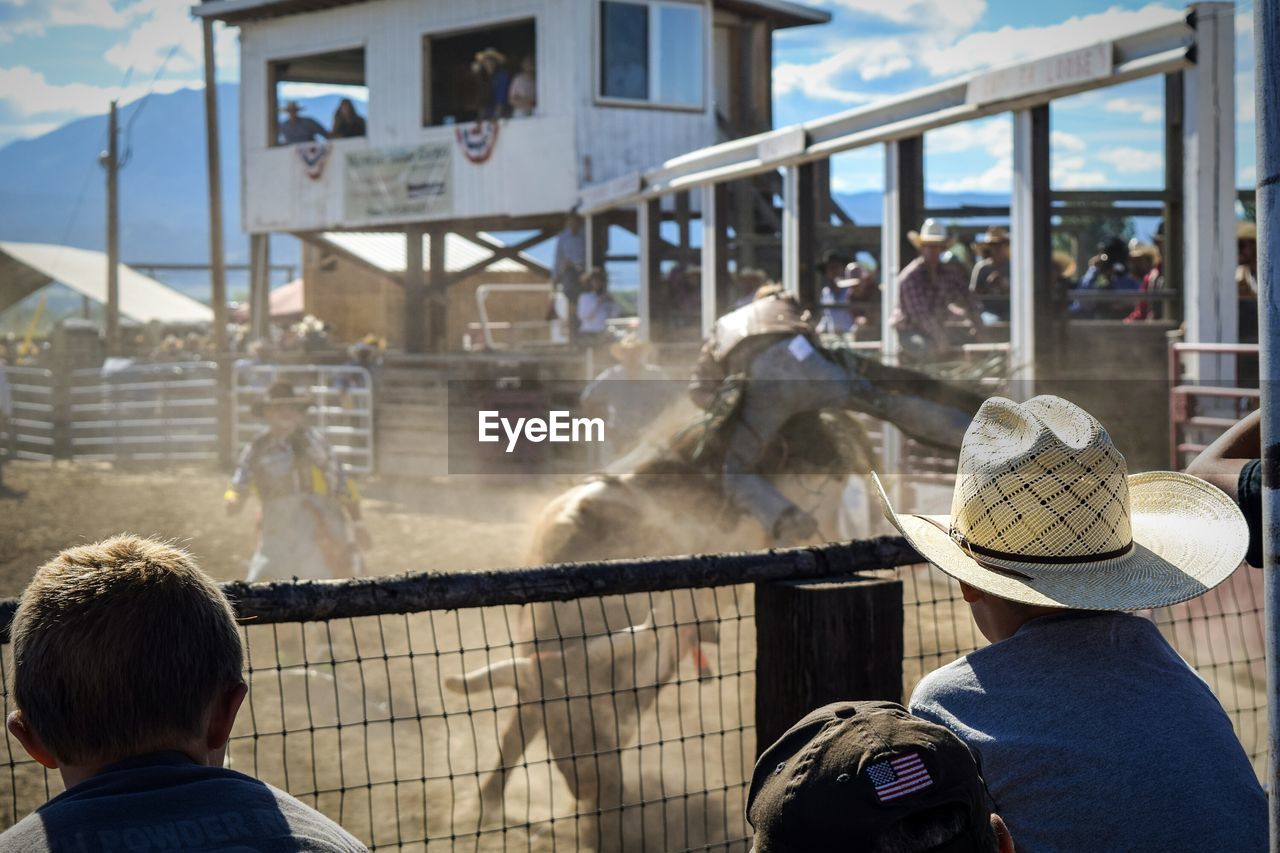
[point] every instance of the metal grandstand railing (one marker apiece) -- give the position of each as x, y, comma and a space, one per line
354, 705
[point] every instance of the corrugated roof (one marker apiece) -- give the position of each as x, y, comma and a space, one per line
85, 271
783, 13
386, 251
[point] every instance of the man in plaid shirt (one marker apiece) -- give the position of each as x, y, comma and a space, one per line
929, 293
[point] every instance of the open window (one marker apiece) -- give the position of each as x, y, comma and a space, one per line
320, 96
490, 72
652, 53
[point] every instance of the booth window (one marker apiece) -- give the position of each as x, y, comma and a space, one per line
652, 52
319, 96
489, 72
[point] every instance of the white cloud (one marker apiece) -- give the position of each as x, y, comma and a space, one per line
39, 105
1011, 44
994, 135
815, 80
952, 15
1247, 176
998, 178
1126, 159
161, 26
1246, 98
1070, 173
36, 17
1060, 140
1146, 110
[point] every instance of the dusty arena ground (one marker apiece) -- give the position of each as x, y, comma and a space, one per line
355, 717
444, 525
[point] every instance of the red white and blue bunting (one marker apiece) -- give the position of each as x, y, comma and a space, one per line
478, 140
314, 156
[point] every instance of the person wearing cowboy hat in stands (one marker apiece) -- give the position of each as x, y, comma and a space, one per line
497, 78
929, 294
298, 128
991, 274
625, 395
1092, 733
854, 284
306, 497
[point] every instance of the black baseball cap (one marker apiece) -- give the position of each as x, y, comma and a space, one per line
850, 770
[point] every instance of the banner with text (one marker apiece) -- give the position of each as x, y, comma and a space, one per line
399, 183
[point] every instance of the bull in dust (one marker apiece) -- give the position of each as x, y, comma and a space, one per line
685, 493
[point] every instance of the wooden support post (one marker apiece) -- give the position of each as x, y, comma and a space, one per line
910, 198
823, 641
806, 243
415, 292
217, 257
648, 218
1173, 263
111, 162
437, 289
1209, 216
1032, 311
259, 286
682, 226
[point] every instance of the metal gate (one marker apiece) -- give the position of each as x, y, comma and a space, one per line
144, 412
32, 390
342, 406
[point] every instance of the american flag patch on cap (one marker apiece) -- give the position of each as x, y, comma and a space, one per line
899, 776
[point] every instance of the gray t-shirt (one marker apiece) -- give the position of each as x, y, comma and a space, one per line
166, 801
1093, 734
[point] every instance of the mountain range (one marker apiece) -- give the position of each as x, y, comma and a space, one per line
55, 191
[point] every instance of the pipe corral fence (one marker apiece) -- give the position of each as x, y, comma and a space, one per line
633, 739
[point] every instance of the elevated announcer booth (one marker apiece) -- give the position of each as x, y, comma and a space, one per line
619, 85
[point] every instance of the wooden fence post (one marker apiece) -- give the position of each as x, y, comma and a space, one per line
821, 641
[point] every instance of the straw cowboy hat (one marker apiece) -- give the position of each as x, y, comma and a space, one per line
994, 234
490, 53
931, 233
1247, 231
1064, 263
1144, 250
280, 394
854, 275
629, 343
1044, 513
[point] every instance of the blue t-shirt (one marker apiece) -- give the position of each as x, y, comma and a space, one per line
1092, 734
166, 801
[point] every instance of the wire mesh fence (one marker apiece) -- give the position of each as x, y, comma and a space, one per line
456, 719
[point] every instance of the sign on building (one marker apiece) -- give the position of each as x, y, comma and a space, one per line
1053, 72
399, 183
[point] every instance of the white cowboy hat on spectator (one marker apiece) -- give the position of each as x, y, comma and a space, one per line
1044, 513
931, 233
854, 275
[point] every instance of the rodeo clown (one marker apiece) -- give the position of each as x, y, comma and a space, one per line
306, 497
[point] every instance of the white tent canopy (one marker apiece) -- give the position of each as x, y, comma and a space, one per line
142, 299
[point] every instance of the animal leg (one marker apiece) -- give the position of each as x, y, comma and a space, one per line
511, 747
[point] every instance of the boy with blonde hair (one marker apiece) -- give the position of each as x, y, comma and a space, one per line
127, 680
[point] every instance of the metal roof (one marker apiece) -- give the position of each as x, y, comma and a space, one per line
27, 267
783, 13
386, 251
1156, 50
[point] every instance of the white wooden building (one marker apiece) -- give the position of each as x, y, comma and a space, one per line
621, 85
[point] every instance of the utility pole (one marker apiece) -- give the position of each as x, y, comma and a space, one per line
110, 160
1266, 52
217, 260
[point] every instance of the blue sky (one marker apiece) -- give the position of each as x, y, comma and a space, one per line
62, 59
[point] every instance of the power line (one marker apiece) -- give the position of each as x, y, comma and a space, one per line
137, 111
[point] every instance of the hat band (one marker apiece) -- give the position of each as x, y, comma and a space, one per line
968, 544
